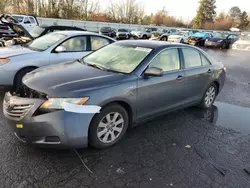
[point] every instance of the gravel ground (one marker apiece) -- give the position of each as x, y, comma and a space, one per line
181, 149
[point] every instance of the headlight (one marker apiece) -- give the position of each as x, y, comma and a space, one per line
9, 43
206, 40
219, 41
3, 61
56, 103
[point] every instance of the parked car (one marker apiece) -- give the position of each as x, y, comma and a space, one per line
156, 34
28, 22
199, 38
123, 34
142, 33
94, 100
180, 37
108, 31
21, 36
164, 36
221, 40
53, 48
243, 44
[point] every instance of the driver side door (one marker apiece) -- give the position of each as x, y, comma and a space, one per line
75, 48
158, 94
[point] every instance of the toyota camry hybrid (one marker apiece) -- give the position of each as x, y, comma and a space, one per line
94, 100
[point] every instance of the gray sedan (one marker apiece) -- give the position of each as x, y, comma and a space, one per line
109, 90
53, 48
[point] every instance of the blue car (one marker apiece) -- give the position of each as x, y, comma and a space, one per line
199, 38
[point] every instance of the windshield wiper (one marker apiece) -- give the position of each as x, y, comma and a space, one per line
97, 66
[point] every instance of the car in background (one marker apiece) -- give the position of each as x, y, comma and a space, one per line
143, 33
28, 22
123, 34
220, 40
156, 34
180, 37
93, 101
108, 31
21, 36
164, 36
243, 44
199, 38
53, 48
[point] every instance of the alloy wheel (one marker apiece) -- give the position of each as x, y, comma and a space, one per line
210, 96
110, 127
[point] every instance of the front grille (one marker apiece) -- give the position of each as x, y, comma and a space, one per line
16, 111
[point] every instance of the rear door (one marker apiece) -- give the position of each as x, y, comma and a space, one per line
157, 94
76, 48
198, 71
27, 23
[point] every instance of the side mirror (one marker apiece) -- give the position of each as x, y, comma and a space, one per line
153, 71
60, 49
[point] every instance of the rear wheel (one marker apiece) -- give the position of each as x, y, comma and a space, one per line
108, 127
209, 96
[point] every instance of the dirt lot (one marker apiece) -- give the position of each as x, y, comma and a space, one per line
154, 154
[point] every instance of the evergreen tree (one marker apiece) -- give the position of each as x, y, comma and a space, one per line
206, 13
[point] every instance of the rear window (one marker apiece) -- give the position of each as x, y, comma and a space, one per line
106, 29
18, 18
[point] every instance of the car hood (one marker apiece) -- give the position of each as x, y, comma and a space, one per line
122, 33
215, 39
175, 36
14, 51
70, 79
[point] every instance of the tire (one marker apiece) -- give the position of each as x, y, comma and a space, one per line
224, 46
107, 130
182, 41
19, 76
164, 38
144, 37
209, 96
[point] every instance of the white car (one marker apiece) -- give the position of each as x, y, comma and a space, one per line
180, 37
28, 22
50, 49
242, 44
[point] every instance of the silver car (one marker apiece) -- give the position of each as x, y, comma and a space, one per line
53, 48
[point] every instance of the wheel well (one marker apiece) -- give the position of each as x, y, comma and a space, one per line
127, 107
217, 85
30, 67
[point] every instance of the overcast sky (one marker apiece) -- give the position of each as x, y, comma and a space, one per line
185, 8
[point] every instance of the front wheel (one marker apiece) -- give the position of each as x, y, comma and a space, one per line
209, 96
108, 127
164, 38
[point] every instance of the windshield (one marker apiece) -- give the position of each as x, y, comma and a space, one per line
122, 30
46, 41
220, 35
18, 18
36, 31
118, 58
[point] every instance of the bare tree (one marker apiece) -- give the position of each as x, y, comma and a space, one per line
87, 8
4, 4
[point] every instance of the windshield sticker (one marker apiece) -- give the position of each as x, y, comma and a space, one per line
143, 49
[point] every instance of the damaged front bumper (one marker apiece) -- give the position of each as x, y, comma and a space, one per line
58, 129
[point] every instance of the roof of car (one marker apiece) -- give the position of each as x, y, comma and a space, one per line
150, 43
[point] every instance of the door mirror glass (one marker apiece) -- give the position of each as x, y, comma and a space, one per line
60, 49
153, 71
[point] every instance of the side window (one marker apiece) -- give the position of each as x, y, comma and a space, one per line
32, 20
76, 44
26, 20
168, 60
98, 42
191, 57
204, 60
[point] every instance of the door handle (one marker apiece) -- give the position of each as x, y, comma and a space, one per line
179, 77
209, 71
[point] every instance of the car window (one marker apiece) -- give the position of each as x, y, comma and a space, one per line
191, 57
204, 60
32, 20
18, 18
26, 20
167, 60
76, 44
232, 37
98, 42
